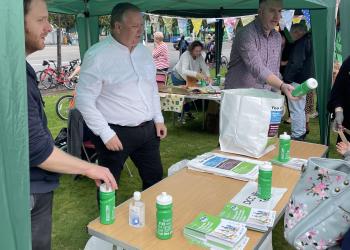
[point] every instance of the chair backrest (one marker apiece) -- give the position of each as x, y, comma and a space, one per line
162, 78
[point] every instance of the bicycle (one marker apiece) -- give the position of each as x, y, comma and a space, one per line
51, 75
63, 105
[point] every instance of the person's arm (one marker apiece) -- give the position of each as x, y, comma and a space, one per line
250, 55
88, 89
157, 52
338, 92
186, 69
61, 162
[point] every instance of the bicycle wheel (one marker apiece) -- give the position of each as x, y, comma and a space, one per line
70, 84
45, 80
63, 106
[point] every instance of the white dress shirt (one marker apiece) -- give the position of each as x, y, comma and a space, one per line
187, 66
117, 86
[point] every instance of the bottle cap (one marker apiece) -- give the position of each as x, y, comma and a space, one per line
104, 189
266, 166
311, 83
164, 199
285, 136
137, 196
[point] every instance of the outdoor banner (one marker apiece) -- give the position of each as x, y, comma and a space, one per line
230, 24
154, 22
168, 23
287, 19
307, 17
197, 23
182, 23
296, 19
247, 19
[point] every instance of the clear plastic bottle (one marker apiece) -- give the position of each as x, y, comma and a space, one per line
137, 211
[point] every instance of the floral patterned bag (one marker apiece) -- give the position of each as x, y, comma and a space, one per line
318, 213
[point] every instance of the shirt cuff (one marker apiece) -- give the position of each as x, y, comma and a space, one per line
158, 119
107, 134
264, 74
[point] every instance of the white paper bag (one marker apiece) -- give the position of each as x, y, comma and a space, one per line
249, 121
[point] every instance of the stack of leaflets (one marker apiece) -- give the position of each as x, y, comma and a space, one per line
216, 233
254, 218
294, 163
230, 166
248, 197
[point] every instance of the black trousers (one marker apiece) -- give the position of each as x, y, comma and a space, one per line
141, 144
41, 218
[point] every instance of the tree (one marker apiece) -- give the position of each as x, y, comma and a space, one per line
67, 21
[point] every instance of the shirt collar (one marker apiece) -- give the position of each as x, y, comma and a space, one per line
119, 45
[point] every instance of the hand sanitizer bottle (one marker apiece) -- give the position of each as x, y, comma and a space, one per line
137, 211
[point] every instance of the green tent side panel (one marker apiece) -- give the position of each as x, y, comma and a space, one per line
323, 46
88, 31
14, 170
345, 27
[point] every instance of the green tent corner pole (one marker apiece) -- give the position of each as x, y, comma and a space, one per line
344, 10
15, 230
219, 33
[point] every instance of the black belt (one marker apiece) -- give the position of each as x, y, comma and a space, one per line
143, 124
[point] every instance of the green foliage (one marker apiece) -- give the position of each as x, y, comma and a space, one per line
62, 20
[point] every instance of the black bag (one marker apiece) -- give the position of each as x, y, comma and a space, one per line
61, 139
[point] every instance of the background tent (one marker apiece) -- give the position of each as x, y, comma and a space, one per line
14, 206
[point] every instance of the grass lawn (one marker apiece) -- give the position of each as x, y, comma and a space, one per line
75, 201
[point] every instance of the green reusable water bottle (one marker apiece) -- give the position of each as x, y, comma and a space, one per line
164, 229
284, 148
107, 205
265, 181
305, 87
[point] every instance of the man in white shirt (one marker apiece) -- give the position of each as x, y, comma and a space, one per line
118, 97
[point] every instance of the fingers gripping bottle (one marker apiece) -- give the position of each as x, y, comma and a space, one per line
107, 205
137, 211
164, 206
305, 87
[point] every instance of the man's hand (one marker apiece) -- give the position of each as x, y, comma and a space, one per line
114, 144
338, 121
161, 130
287, 90
99, 174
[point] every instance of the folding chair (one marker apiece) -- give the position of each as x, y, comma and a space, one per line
77, 143
162, 78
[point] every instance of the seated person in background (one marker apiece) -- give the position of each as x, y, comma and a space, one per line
191, 64
160, 52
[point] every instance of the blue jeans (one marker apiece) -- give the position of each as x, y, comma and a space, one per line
298, 117
176, 81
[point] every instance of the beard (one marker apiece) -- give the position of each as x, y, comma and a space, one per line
33, 42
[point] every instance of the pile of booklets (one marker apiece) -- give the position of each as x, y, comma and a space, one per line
254, 218
228, 229
216, 233
230, 166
